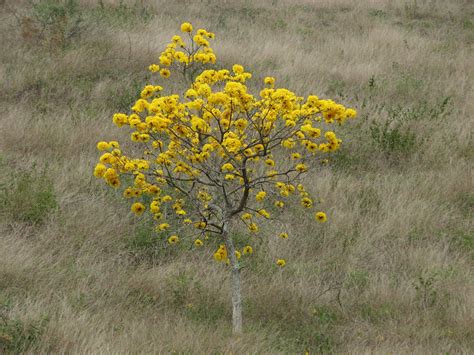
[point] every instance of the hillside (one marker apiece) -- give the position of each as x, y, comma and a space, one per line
392, 271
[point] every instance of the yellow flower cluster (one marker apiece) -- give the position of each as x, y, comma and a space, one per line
221, 253
183, 56
218, 151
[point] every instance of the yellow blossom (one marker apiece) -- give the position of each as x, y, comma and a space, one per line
320, 217
173, 239
103, 146
253, 227
260, 196
163, 226
284, 235
165, 73
198, 243
138, 208
154, 68
281, 262
99, 170
186, 27
247, 250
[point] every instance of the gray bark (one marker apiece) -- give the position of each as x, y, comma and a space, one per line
235, 283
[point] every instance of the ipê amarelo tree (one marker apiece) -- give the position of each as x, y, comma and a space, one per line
216, 155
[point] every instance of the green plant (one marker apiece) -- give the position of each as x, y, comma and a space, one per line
27, 196
56, 21
121, 14
17, 336
426, 293
392, 138
357, 280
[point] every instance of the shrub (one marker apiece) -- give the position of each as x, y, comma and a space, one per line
392, 138
27, 197
55, 22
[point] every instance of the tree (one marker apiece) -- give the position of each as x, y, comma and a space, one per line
218, 154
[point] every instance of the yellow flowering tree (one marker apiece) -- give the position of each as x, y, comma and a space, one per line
217, 154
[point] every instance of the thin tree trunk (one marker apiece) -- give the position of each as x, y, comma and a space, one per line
236, 301
235, 283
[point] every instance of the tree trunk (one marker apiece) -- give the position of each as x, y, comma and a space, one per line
235, 283
236, 301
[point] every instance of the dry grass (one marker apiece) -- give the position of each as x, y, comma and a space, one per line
392, 272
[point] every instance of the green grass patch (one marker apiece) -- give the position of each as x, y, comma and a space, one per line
27, 196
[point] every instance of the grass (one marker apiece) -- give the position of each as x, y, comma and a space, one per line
391, 271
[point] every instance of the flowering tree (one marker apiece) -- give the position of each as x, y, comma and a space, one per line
217, 155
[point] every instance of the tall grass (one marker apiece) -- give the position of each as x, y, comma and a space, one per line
392, 270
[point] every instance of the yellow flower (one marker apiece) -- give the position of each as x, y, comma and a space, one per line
221, 253
253, 227
128, 192
99, 170
186, 27
301, 168
164, 60
270, 162
260, 196
237, 254
269, 80
279, 204
114, 144
163, 226
198, 243
138, 208
238, 69
165, 73
284, 235
227, 167
154, 68
306, 202
200, 225
241, 123
120, 119
247, 250
246, 216
281, 262
103, 146
320, 217
173, 239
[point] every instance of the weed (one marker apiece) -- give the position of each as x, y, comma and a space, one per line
423, 110
57, 22
426, 293
377, 314
145, 244
121, 15
123, 98
17, 336
27, 197
377, 13
357, 280
392, 138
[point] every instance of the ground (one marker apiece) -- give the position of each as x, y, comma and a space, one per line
390, 272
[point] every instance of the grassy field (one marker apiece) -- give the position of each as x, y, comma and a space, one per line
391, 271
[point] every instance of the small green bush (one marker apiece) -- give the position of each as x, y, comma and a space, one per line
57, 22
17, 336
27, 197
392, 138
